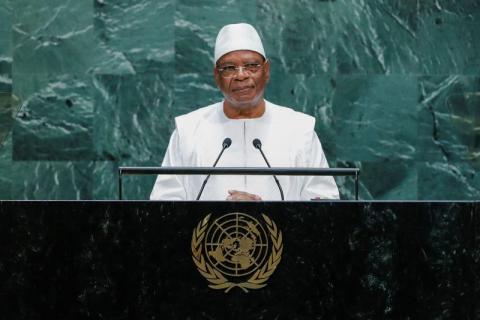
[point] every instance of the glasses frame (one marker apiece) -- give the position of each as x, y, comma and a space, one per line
238, 68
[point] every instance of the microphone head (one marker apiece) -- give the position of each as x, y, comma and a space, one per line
257, 143
226, 143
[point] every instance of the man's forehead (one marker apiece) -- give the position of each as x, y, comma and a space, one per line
240, 55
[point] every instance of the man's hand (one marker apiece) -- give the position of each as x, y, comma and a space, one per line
235, 195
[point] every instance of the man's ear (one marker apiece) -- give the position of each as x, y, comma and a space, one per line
216, 76
267, 70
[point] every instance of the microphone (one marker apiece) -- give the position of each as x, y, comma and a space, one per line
225, 144
258, 145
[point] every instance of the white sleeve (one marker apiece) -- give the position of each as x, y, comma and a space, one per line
323, 187
170, 187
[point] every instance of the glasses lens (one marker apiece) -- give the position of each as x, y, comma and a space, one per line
252, 67
228, 71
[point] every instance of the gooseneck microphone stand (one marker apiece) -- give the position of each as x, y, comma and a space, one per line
258, 145
225, 144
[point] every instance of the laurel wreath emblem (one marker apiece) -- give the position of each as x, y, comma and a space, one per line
217, 279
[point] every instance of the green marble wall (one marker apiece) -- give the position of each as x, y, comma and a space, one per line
88, 85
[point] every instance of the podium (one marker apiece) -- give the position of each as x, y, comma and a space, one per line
338, 260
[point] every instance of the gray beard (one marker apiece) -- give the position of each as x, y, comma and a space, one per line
245, 105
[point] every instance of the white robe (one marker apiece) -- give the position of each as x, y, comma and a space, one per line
288, 140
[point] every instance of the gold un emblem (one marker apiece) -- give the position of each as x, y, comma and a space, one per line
236, 250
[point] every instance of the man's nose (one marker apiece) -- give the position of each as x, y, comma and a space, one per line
241, 73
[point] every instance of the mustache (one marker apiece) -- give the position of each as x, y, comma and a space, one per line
250, 86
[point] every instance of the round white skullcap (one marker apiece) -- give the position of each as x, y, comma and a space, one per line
239, 36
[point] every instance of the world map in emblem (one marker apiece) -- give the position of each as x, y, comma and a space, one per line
237, 250
236, 244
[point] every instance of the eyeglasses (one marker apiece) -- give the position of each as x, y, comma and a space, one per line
229, 71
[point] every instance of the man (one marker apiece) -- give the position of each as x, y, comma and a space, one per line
288, 138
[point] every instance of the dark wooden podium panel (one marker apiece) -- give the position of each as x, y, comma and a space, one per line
339, 260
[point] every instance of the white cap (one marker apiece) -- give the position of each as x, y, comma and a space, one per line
240, 36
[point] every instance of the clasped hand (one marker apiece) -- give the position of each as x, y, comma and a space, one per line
235, 195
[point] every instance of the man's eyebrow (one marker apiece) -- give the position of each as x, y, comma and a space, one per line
253, 60
225, 62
